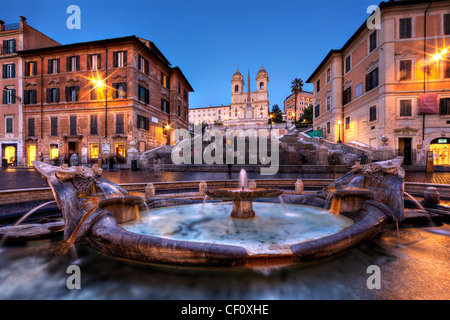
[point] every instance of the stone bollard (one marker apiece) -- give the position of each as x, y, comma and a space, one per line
202, 187
431, 197
252, 184
150, 190
299, 187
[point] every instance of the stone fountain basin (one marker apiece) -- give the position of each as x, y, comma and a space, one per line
101, 231
109, 237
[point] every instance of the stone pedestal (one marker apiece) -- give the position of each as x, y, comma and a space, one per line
150, 190
299, 188
202, 187
431, 197
384, 152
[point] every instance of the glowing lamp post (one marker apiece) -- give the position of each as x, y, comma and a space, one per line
339, 123
101, 86
167, 127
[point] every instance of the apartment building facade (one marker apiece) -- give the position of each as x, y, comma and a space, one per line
304, 100
393, 81
210, 115
94, 98
14, 38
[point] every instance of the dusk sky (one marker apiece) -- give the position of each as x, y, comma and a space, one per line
210, 39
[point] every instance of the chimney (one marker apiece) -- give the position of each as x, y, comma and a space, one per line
23, 22
2, 25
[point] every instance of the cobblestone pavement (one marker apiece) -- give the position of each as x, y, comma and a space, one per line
29, 178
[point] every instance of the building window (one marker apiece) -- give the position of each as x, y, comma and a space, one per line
405, 108
347, 123
165, 106
52, 95
446, 24
328, 127
73, 125
164, 81
328, 75
358, 90
372, 80
120, 59
54, 151
72, 94
318, 85
179, 87
405, 70
73, 64
9, 125
347, 96
9, 46
373, 41
405, 28
93, 125
30, 69
444, 107
179, 110
29, 97
9, 71
186, 95
328, 103
372, 113
144, 95
143, 123
93, 151
348, 64
53, 66
261, 86
120, 124
9, 96
31, 129
94, 62
143, 65
54, 126
317, 111
120, 90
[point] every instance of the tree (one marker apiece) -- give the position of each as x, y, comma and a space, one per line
296, 87
276, 115
307, 116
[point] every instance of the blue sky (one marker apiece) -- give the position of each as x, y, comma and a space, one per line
209, 39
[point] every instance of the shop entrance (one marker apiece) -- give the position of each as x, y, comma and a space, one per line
31, 152
405, 150
9, 152
441, 151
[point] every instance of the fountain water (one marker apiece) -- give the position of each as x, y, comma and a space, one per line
24, 217
243, 180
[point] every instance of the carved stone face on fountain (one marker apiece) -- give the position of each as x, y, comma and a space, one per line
83, 178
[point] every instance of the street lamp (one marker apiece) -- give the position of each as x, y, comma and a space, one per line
167, 127
100, 85
339, 123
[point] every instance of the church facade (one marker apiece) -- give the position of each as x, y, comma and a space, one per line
247, 108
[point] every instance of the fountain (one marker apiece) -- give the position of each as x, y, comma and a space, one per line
262, 229
242, 197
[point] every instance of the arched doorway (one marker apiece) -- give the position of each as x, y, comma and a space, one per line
10, 154
441, 151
